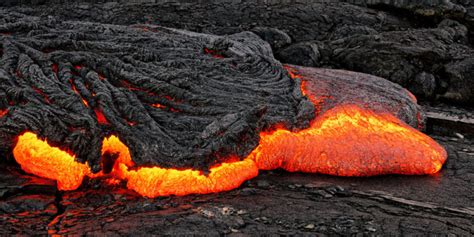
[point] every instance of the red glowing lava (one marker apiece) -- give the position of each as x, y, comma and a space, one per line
100, 116
213, 52
350, 141
55, 68
3, 112
346, 140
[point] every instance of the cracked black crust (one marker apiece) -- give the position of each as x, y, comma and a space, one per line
217, 92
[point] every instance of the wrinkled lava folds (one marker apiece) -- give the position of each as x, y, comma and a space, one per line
173, 112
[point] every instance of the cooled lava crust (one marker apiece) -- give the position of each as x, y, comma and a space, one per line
175, 98
177, 112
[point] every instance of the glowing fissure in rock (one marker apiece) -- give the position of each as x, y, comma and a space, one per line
44, 95
158, 105
55, 68
101, 119
73, 87
317, 101
214, 53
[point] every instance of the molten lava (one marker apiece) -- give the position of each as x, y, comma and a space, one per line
155, 181
37, 157
346, 140
350, 141
100, 116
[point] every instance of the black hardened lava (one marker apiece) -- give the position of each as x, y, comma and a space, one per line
175, 98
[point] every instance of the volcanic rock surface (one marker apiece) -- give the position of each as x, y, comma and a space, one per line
332, 88
275, 202
397, 40
175, 98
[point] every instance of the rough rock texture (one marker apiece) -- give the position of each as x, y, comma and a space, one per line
331, 88
443, 119
424, 85
420, 59
304, 54
175, 98
275, 37
423, 8
306, 20
399, 56
349, 30
273, 203
459, 73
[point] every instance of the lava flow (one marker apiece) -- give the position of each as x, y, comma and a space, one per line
345, 141
36, 156
350, 141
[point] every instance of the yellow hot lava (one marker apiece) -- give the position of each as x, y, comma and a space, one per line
345, 141
155, 181
350, 141
37, 157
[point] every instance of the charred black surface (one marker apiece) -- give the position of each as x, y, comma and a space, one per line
413, 43
175, 98
301, 20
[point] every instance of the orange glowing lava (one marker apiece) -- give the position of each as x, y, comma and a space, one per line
155, 181
37, 157
158, 105
350, 141
344, 141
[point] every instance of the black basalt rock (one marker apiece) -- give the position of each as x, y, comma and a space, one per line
175, 98
304, 54
275, 37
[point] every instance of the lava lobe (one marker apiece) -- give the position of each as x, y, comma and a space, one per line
174, 112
